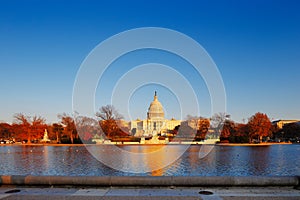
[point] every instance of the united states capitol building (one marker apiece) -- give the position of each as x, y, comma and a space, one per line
155, 123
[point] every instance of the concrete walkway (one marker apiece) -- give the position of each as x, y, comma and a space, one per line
91, 193
135, 187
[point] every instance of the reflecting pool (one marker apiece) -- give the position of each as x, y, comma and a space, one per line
273, 160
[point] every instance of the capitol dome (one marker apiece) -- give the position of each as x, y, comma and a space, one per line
155, 110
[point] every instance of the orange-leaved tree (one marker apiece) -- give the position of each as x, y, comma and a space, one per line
32, 127
259, 125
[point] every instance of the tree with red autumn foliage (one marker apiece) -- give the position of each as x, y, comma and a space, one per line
203, 126
259, 125
32, 127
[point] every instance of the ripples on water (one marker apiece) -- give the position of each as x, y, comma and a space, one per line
275, 160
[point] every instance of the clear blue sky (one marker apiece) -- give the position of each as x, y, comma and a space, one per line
255, 44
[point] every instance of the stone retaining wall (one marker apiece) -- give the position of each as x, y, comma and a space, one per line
149, 181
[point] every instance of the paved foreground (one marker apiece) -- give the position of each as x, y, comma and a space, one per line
88, 193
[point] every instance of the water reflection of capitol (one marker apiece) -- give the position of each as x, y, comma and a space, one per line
155, 123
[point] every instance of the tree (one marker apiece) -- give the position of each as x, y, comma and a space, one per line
111, 129
203, 126
108, 112
218, 119
259, 126
195, 127
24, 125
175, 130
291, 131
228, 129
108, 121
69, 126
241, 133
217, 123
58, 130
18, 133
33, 127
275, 130
87, 128
5, 130
37, 127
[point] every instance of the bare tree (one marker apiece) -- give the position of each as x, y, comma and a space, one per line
21, 118
87, 127
218, 120
108, 112
108, 121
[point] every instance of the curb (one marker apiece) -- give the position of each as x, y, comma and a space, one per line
149, 181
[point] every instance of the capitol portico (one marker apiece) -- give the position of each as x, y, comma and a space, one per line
155, 123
